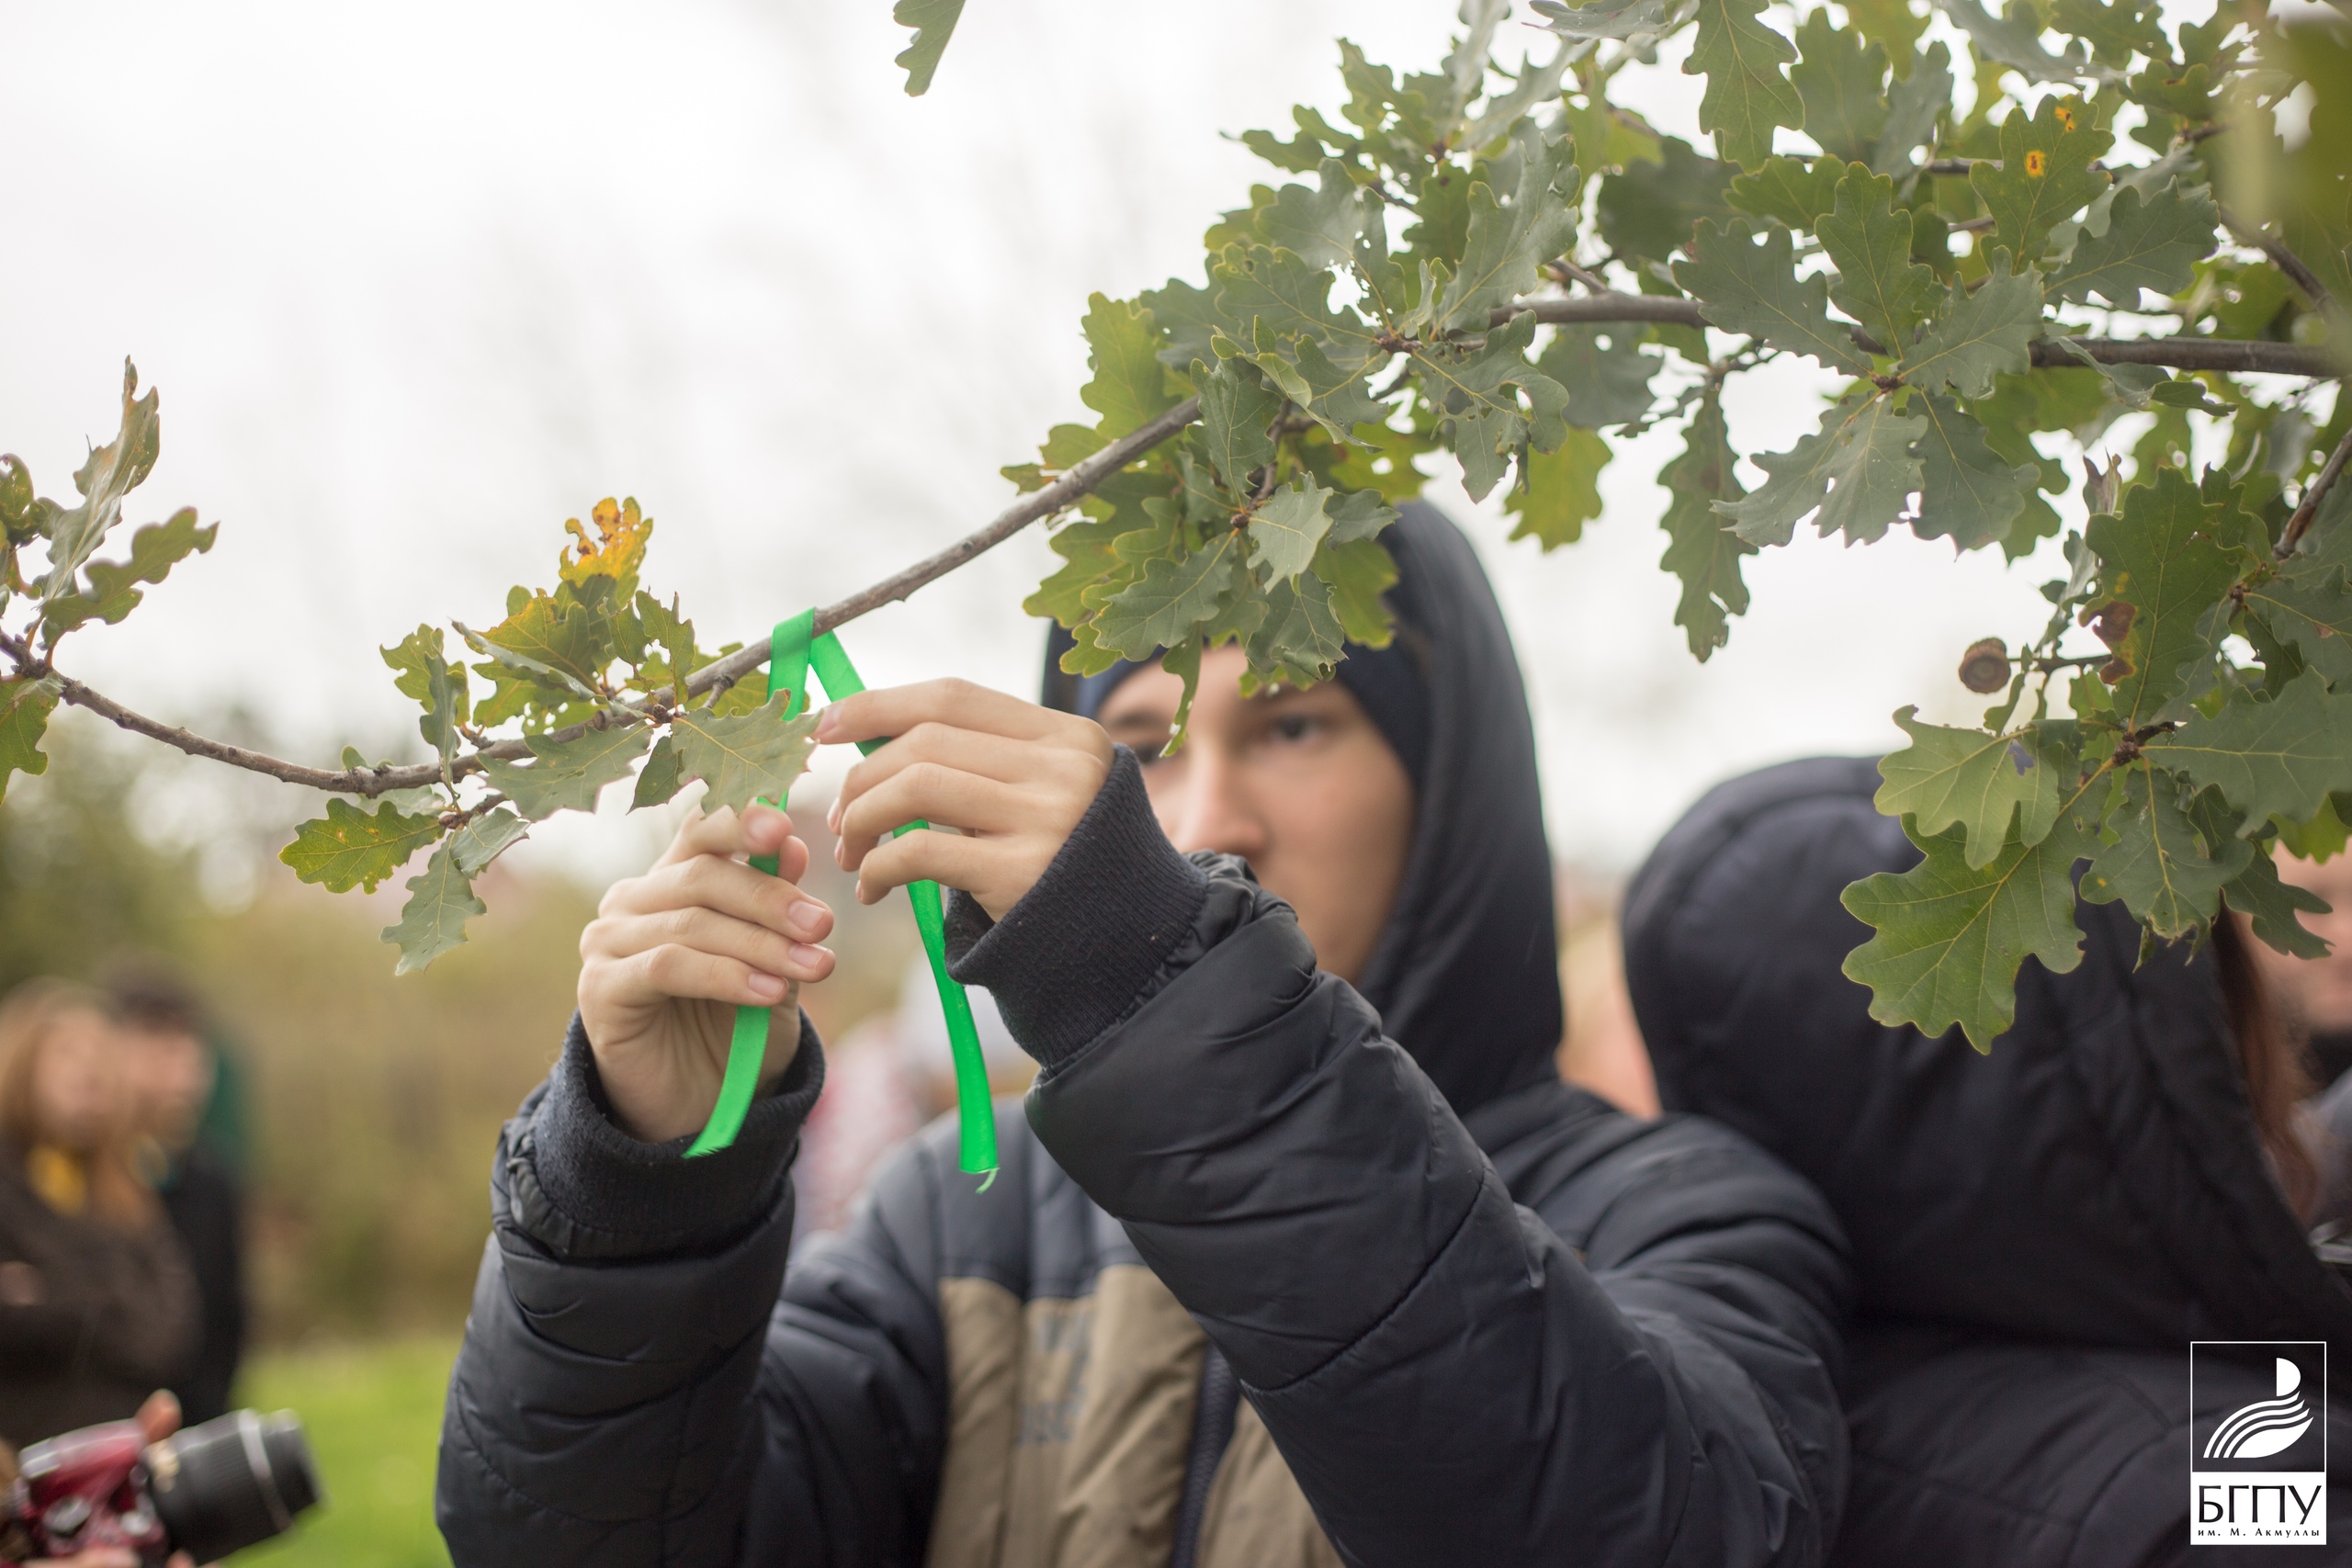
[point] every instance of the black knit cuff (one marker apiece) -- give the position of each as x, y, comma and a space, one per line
624, 1197
1069, 960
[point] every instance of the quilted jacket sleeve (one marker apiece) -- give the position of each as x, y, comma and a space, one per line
636, 1389
1447, 1379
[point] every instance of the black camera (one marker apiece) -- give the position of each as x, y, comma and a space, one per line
209, 1491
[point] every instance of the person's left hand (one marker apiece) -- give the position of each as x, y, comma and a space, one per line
1010, 778
159, 1419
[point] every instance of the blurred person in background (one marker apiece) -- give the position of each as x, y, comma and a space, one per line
2316, 993
2040, 1230
175, 1077
97, 1307
1602, 1051
1300, 1251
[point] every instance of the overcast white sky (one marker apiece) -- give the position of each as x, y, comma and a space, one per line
420, 283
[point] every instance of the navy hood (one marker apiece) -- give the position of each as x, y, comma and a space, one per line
2095, 1178
1465, 974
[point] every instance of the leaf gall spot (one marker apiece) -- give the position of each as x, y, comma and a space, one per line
2111, 622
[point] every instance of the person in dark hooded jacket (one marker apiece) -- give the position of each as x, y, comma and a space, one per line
1280, 1270
2039, 1231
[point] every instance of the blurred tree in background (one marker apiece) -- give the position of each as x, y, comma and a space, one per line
75, 884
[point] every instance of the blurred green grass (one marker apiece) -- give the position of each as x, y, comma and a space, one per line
374, 1415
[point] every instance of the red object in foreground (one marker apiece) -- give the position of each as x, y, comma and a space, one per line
209, 1491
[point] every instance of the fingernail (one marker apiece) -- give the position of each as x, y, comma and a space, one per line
826, 722
806, 916
768, 985
833, 816
802, 953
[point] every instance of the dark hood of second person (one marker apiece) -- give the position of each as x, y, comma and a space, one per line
2094, 1177
1465, 974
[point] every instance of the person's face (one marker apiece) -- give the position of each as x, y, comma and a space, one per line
171, 1077
2319, 988
1298, 784
77, 1083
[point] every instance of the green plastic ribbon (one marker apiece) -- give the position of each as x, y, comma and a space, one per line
791, 652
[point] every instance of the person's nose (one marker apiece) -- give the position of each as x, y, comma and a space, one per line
1218, 812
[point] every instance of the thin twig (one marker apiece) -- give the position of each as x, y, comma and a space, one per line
2282, 258
1079, 480
2313, 493
1568, 271
1607, 306
2231, 355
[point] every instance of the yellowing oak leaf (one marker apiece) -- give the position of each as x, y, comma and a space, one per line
616, 551
349, 847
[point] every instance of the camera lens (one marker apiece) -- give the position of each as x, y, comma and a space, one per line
222, 1486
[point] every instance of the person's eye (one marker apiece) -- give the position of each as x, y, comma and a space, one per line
1296, 727
1148, 752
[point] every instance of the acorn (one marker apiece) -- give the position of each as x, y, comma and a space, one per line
1984, 667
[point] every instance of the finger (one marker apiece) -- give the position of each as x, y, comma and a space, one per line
942, 797
674, 972
1018, 762
159, 1417
728, 886
760, 830
927, 856
707, 930
980, 752
894, 710
792, 861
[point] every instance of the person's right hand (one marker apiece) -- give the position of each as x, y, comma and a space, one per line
671, 955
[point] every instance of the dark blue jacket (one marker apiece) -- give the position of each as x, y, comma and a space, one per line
2038, 1232
1474, 1316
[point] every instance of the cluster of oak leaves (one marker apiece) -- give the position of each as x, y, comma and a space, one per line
1947, 263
